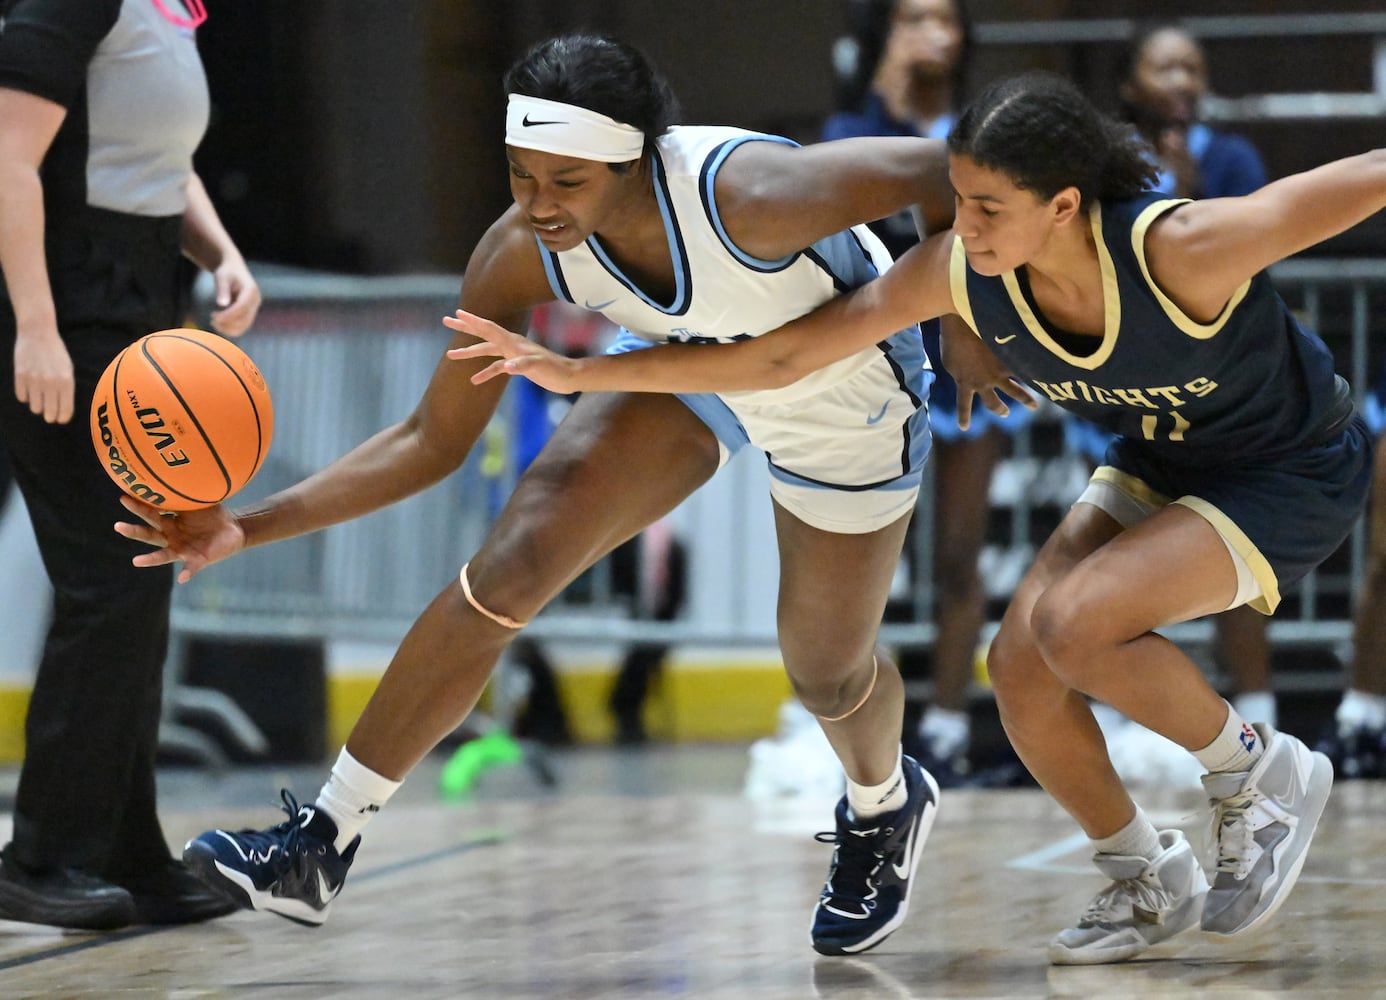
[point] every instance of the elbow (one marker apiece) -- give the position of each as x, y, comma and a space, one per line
434, 456
780, 373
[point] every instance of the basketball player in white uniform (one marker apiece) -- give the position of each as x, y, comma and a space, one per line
678, 234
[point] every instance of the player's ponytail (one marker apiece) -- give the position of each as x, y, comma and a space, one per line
1043, 134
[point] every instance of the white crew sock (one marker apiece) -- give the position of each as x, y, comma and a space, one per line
866, 801
1137, 839
353, 794
1236, 748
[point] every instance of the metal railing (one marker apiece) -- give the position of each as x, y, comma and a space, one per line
346, 357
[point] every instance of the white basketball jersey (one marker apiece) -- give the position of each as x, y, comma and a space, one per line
721, 293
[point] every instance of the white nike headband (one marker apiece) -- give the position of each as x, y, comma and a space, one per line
567, 130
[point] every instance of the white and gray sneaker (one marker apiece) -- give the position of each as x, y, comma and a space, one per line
1263, 820
1147, 902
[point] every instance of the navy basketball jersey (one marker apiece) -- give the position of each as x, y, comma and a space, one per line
1252, 383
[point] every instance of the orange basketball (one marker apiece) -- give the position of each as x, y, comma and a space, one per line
181, 419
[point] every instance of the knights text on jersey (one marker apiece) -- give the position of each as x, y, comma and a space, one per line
1225, 391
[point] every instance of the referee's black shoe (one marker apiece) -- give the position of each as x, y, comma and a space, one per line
172, 894
64, 897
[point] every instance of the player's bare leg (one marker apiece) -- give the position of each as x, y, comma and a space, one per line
833, 590
615, 464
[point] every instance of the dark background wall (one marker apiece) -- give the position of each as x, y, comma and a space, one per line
366, 137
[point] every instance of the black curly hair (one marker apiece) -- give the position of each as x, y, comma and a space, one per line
1040, 131
601, 74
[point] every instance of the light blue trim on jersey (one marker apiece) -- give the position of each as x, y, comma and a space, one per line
677, 253
556, 282
706, 191
707, 406
845, 260
905, 354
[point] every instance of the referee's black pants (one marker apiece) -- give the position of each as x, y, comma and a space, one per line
86, 796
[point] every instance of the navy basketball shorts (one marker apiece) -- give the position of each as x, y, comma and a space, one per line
1279, 520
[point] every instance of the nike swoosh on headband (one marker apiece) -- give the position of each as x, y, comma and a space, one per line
529, 124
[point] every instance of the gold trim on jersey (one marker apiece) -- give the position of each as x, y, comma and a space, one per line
1111, 305
1141, 492
1244, 547
1202, 331
957, 283
1137, 489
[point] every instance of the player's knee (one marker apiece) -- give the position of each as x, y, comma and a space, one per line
1025, 687
505, 590
830, 693
1008, 655
1066, 635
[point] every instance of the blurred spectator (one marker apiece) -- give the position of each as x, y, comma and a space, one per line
1164, 77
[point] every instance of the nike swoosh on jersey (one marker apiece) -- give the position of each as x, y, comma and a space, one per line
597, 307
877, 419
1005, 340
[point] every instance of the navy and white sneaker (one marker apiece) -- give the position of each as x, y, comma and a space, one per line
867, 893
291, 869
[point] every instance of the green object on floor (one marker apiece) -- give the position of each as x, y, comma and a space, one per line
475, 756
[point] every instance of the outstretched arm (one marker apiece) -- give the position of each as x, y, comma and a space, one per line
915, 289
775, 199
1202, 252
504, 279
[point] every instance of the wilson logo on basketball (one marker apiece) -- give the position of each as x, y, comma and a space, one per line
119, 470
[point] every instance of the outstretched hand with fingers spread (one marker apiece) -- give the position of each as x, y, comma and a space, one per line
196, 538
518, 355
979, 373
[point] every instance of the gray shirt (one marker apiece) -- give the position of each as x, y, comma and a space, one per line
133, 76
148, 108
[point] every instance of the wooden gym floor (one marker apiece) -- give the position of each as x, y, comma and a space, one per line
645, 874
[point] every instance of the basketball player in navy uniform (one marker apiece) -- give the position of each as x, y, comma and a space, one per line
699, 234
1239, 466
